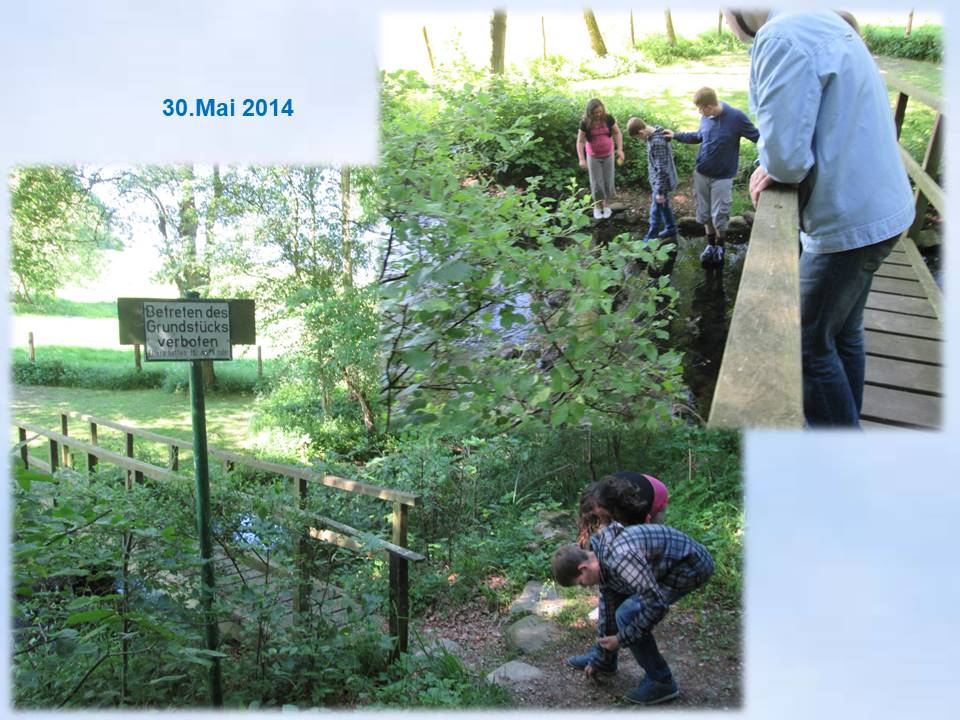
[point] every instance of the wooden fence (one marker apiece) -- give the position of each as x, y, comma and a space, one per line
62, 447
760, 380
927, 188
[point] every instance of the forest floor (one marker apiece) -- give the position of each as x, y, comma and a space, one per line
703, 646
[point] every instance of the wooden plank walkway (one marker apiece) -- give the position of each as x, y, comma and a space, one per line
904, 341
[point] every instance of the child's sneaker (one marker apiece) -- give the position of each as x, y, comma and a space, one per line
707, 257
651, 692
607, 212
718, 255
580, 662
597, 214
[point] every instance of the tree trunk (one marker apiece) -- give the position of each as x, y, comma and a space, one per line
426, 41
543, 33
498, 40
596, 39
633, 37
368, 419
909, 24
720, 24
671, 35
345, 225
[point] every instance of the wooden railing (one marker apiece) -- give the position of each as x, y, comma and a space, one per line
62, 447
927, 188
760, 381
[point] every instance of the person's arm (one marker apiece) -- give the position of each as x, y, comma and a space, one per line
787, 97
748, 129
581, 148
618, 140
688, 138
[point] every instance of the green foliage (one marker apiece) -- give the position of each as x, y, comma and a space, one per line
58, 231
437, 680
499, 308
924, 42
657, 49
64, 366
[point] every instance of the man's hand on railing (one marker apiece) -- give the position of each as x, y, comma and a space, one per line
759, 182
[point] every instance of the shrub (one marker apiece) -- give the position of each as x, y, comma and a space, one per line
658, 50
924, 42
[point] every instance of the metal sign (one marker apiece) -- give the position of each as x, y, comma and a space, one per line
187, 330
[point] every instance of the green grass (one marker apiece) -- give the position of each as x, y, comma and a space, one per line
67, 308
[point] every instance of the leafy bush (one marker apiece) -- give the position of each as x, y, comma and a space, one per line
657, 49
924, 43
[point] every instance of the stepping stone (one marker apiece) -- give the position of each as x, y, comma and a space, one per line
554, 523
530, 634
440, 646
535, 599
514, 673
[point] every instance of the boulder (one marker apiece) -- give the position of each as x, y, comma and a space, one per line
529, 601
530, 634
514, 673
688, 225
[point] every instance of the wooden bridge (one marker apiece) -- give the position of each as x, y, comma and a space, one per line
760, 380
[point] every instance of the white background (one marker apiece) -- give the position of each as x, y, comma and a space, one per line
852, 587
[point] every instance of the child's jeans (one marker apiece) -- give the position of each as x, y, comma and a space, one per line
662, 222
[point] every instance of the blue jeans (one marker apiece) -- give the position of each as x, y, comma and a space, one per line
662, 221
833, 292
645, 651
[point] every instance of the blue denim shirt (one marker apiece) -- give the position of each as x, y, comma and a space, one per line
826, 123
719, 139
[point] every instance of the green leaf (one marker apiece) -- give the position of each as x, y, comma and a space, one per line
417, 359
453, 272
90, 616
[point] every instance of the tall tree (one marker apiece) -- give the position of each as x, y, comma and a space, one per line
58, 230
596, 39
426, 41
498, 41
633, 37
909, 24
671, 34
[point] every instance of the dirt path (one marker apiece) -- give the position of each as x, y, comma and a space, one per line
703, 648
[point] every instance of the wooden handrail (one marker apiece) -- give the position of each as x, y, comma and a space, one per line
927, 185
896, 82
760, 381
291, 471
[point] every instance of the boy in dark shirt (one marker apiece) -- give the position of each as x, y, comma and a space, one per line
721, 128
662, 174
641, 571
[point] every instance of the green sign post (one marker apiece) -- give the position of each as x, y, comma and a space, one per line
194, 330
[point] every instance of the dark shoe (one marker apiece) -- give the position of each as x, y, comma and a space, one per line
580, 662
668, 233
707, 257
651, 692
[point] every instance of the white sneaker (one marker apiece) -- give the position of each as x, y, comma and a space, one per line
607, 212
597, 213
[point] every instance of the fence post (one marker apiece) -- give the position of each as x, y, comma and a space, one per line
137, 475
931, 166
64, 427
399, 582
54, 456
24, 454
173, 457
136, 357
259, 363
33, 351
301, 598
900, 113
91, 458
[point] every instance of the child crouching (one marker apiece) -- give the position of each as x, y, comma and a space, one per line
641, 571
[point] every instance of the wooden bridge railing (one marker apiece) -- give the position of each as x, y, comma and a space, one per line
927, 188
60, 445
760, 381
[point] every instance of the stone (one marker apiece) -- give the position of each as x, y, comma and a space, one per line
530, 634
634, 215
749, 216
927, 238
441, 646
738, 224
688, 225
553, 523
514, 673
529, 600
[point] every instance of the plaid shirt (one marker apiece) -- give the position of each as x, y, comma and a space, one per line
657, 563
661, 170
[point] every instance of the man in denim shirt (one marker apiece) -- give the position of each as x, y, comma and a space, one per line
826, 124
